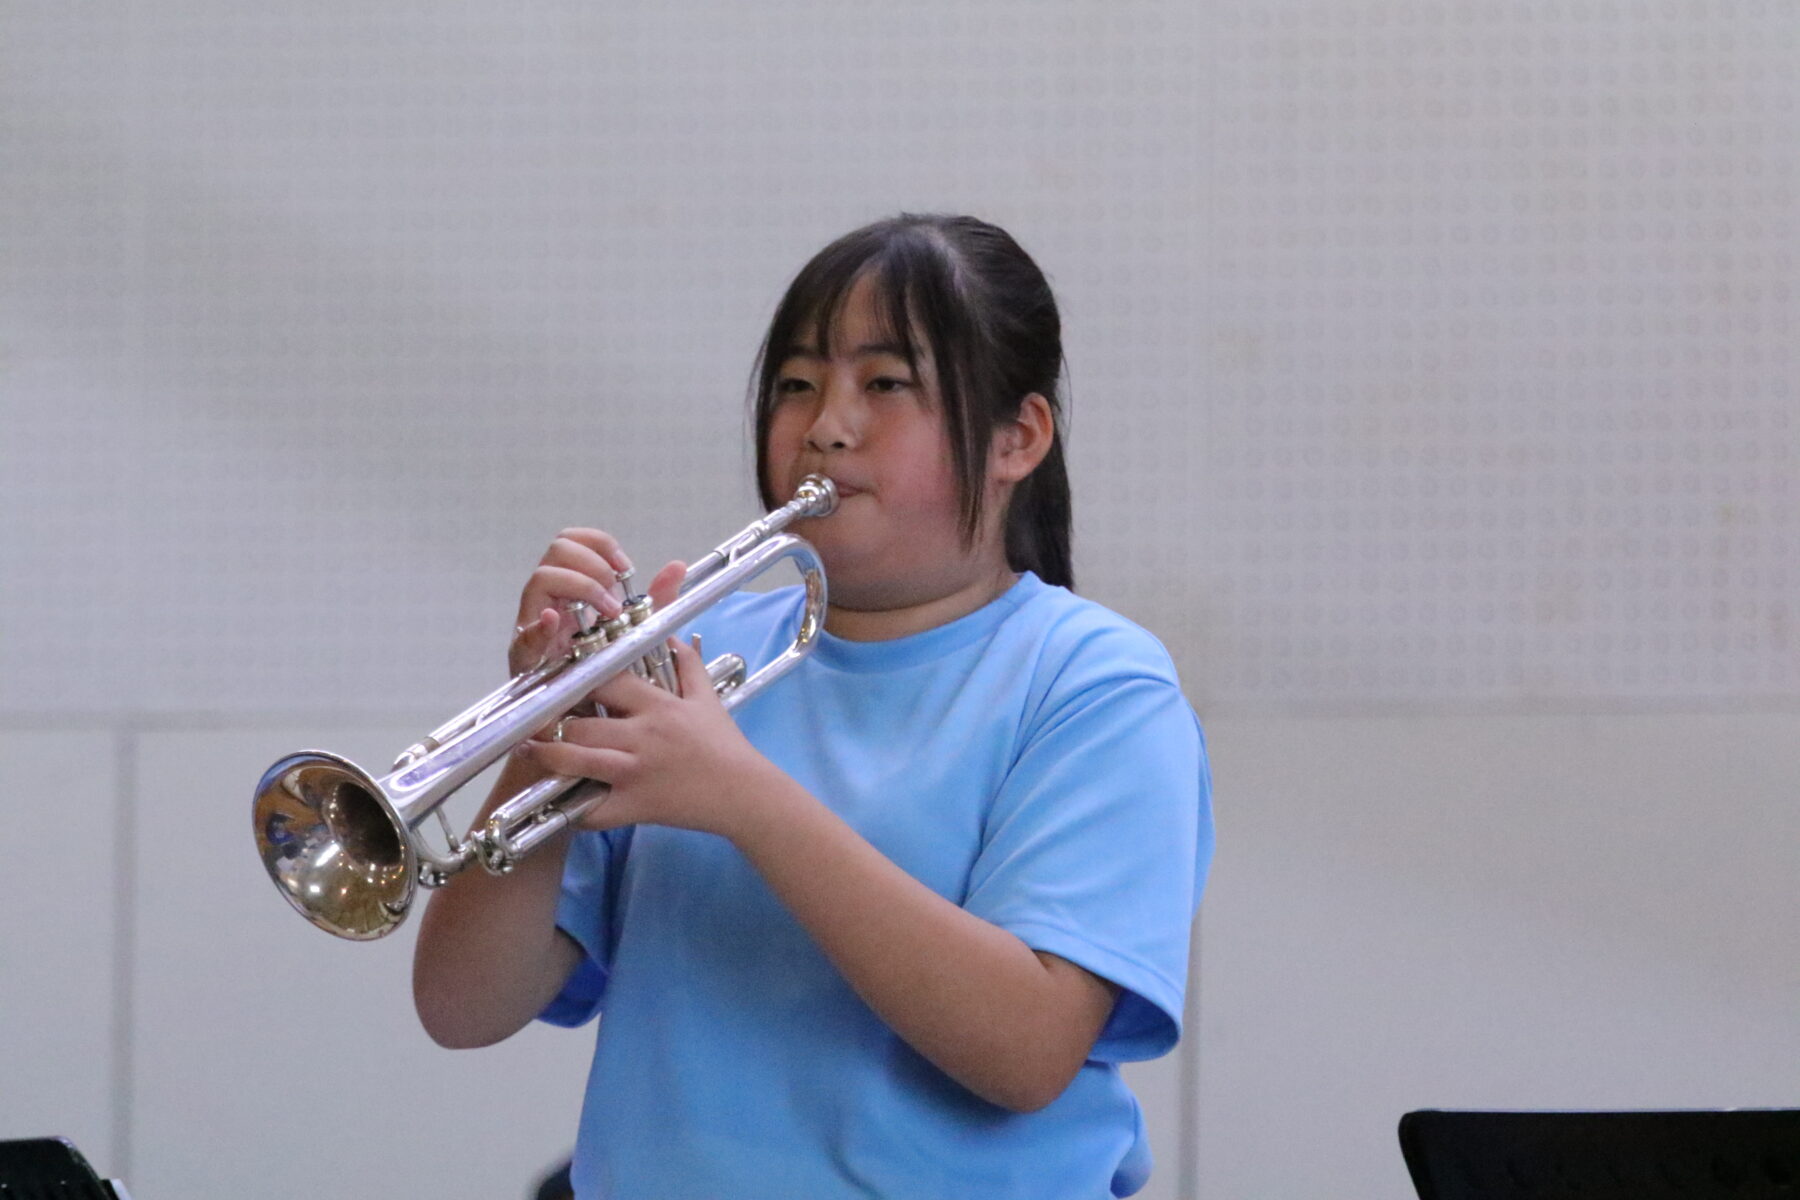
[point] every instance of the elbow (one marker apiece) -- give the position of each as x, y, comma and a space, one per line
452, 1035
1025, 1103
1027, 1089
1024, 1098
466, 1006
450, 1023
443, 1030
452, 1038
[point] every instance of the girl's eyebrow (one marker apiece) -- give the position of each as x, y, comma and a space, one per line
867, 349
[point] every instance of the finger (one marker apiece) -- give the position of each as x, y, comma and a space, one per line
625, 694
550, 584
533, 639
690, 669
547, 731
578, 556
535, 630
667, 584
602, 543
596, 733
549, 623
587, 762
619, 808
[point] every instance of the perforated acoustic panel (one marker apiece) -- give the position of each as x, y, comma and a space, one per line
1504, 348
1421, 352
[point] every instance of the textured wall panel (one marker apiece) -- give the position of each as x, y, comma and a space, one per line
60, 957
1505, 380
274, 1060
1421, 351
1488, 913
406, 291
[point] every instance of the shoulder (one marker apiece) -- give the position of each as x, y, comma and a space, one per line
1079, 664
1080, 643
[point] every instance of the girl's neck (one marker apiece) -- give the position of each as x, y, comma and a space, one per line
876, 623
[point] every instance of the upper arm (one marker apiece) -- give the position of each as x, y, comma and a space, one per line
575, 977
1083, 1000
1080, 1002
565, 955
1096, 844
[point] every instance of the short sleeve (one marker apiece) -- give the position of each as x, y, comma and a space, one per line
1096, 848
586, 912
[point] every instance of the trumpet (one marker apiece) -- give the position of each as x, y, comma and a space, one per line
343, 846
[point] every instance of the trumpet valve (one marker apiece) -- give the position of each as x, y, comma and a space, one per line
727, 672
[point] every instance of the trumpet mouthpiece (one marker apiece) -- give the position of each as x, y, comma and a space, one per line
818, 495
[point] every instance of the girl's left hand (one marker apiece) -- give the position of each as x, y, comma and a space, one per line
671, 760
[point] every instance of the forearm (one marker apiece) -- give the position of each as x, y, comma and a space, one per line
1009, 1024
489, 957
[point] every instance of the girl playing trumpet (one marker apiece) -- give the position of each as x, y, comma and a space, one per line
891, 932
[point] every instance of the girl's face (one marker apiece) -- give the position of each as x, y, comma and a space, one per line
859, 413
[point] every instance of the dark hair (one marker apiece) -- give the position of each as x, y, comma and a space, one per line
985, 312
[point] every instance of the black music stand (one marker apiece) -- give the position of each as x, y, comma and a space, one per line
554, 1186
1730, 1154
51, 1169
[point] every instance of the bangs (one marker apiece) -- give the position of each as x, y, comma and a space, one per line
816, 312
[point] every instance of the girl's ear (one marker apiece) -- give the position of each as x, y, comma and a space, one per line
1021, 443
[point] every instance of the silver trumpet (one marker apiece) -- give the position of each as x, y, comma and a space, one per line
343, 845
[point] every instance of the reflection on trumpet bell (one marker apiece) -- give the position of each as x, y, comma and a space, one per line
334, 845
342, 845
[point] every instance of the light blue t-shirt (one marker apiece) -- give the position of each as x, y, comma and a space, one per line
1036, 763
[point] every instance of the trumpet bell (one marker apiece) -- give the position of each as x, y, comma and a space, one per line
334, 845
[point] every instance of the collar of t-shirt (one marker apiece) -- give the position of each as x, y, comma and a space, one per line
841, 654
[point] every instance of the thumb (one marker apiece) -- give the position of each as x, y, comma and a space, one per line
667, 584
532, 641
690, 670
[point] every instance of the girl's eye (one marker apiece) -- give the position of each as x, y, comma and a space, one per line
791, 384
888, 383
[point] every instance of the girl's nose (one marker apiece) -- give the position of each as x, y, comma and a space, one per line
835, 424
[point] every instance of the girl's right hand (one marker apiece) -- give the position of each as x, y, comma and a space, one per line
581, 566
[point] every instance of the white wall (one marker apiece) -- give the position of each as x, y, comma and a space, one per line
1584, 911
1434, 382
